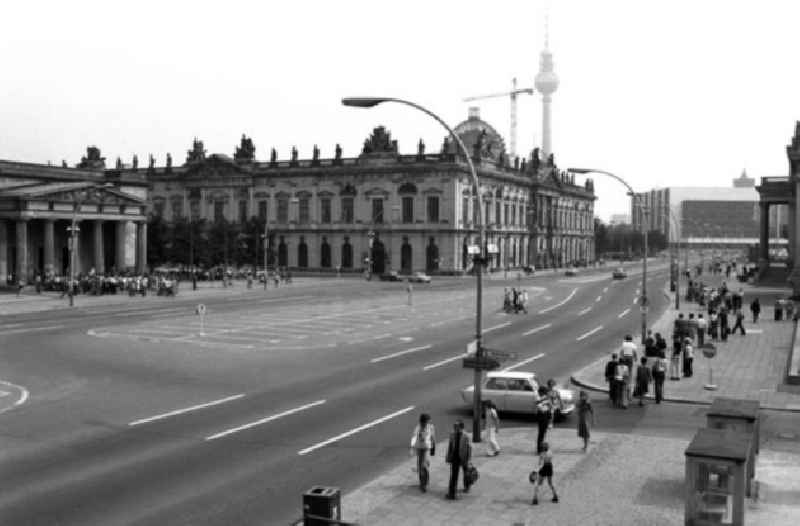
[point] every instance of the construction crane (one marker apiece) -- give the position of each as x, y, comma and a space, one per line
513, 96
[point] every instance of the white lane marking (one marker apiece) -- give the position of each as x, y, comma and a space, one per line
399, 353
32, 329
557, 305
537, 329
405, 338
523, 362
356, 430
185, 410
3, 394
623, 313
605, 290
587, 334
22, 398
598, 299
635, 301
289, 298
490, 329
443, 362
754, 331
264, 420
548, 298
584, 311
378, 337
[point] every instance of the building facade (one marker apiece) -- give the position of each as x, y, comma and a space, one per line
39, 203
391, 211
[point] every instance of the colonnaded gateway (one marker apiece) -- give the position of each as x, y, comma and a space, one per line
406, 212
38, 203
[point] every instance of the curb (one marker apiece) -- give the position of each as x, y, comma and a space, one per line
596, 388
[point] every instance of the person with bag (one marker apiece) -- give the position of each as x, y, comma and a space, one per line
675, 361
611, 369
643, 379
459, 452
702, 327
544, 417
492, 426
545, 472
623, 378
423, 443
755, 308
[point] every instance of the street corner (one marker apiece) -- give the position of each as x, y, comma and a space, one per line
11, 396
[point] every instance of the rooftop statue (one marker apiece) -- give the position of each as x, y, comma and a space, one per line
273, 156
63, 163
246, 151
119, 163
421, 148
338, 151
93, 159
380, 142
151, 163
169, 162
315, 153
135, 162
294, 154
197, 153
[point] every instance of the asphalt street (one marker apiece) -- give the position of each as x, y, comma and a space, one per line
137, 414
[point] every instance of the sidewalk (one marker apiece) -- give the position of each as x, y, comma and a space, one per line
750, 366
590, 487
29, 301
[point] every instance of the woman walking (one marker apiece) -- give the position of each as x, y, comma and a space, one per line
423, 442
492, 423
643, 378
545, 472
585, 414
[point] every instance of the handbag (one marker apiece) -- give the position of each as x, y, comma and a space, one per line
533, 477
433, 449
472, 474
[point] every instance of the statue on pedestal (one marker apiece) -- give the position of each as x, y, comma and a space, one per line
119, 163
421, 148
294, 154
245, 151
135, 162
273, 156
315, 153
151, 163
169, 162
338, 152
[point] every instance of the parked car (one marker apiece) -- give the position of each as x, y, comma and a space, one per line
529, 270
419, 277
392, 275
517, 392
571, 272
619, 273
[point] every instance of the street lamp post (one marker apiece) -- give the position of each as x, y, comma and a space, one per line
368, 270
73, 230
643, 297
369, 102
266, 242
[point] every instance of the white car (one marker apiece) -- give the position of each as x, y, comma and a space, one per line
518, 392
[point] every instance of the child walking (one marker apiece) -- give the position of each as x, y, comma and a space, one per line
585, 414
545, 472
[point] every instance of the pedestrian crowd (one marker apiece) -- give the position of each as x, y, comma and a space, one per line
515, 300
460, 452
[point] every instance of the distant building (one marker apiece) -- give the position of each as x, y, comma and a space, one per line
708, 217
744, 182
620, 219
391, 211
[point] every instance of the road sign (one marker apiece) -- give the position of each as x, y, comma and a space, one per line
201, 309
491, 248
472, 347
483, 363
709, 352
473, 249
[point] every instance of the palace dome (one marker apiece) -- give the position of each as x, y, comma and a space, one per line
470, 130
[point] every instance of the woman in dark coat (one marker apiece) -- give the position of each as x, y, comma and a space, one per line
643, 379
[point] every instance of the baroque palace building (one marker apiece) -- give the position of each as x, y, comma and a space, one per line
403, 212
39, 203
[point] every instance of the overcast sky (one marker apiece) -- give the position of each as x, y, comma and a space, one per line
678, 92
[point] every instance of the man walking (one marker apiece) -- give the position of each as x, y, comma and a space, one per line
544, 417
492, 426
755, 308
459, 451
611, 371
702, 327
739, 320
659, 375
693, 326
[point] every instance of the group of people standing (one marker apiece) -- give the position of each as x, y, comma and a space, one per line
459, 446
515, 300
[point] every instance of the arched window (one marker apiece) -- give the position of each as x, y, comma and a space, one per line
302, 253
283, 255
325, 254
431, 256
347, 253
405, 257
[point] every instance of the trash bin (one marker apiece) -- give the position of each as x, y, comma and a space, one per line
324, 502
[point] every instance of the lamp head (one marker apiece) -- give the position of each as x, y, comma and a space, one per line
363, 102
581, 170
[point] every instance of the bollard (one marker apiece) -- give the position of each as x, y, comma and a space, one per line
321, 505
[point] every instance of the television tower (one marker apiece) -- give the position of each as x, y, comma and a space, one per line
546, 83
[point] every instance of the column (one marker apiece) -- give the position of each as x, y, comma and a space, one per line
763, 246
141, 251
119, 257
22, 250
75, 252
99, 259
3, 252
49, 247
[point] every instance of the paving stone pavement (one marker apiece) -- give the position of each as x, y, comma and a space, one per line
623, 479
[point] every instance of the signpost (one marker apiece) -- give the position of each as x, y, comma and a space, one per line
201, 311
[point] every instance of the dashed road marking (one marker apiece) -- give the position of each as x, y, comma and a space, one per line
598, 299
400, 353
443, 362
584, 311
490, 329
264, 420
623, 313
537, 329
605, 290
587, 334
32, 329
354, 431
185, 410
526, 361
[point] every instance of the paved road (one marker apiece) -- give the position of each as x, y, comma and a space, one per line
134, 417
